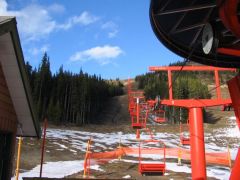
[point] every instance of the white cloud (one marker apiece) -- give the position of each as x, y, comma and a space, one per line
36, 51
111, 27
35, 21
113, 33
101, 54
3, 6
56, 8
84, 19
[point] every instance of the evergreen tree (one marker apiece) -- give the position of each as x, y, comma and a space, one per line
186, 85
65, 97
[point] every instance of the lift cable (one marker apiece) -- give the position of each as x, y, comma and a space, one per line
213, 89
180, 71
191, 52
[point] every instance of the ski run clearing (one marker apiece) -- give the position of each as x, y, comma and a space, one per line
75, 142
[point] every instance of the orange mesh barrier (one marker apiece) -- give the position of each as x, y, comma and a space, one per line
218, 158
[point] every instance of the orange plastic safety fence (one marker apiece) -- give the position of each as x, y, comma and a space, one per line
218, 158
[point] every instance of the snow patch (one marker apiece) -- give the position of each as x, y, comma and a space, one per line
126, 177
61, 145
58, 169
76, 141
73, 151
232, 118
217, 172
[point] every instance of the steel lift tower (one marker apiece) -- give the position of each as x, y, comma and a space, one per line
207, 32
195, 107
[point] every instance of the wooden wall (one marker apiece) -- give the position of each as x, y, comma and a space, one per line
8, 117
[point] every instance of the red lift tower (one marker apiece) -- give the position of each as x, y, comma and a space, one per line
195, 107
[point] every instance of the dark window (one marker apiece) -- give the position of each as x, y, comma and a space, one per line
5, 155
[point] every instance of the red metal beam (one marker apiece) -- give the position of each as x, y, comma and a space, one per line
139, 97
228, 12
235, 174
228, 51
190, 103
234, 89
189, 68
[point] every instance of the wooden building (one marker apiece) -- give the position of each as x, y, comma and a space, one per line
17, 117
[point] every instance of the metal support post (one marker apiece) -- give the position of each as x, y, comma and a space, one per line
217, 83
198, 161
138, 134
138, 110
170, 85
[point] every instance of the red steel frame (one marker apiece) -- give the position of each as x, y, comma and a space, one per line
134, 109
229, 15
228, 12
195, 107
234, 89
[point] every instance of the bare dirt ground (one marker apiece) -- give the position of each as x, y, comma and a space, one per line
115, 118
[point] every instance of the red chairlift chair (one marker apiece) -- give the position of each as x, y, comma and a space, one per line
137, 93
131, 106
144, 106
139, 121
151, 103
160, 116
185, 141
152, 168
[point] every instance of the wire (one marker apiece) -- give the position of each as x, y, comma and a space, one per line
225, 82
210, 90
192, 48
179, 72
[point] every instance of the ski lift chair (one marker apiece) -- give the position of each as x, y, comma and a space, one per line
185, 141
160, 116
152, 168
131, 106
151, 103
139, 123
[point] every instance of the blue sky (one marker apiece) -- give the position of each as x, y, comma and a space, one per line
111, 38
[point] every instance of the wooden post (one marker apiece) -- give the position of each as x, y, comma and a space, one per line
119, 147
18, 157
86, 163
43, 146
229, 157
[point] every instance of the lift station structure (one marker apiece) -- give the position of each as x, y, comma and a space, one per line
195, 107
